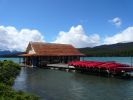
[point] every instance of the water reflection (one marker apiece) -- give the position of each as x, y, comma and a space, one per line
20, 82
60, 85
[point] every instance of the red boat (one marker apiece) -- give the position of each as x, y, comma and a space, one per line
110, 68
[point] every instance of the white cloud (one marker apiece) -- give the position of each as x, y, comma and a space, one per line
124, 36
77, 37
116, 21
13, 39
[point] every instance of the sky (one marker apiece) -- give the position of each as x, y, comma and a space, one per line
82, 23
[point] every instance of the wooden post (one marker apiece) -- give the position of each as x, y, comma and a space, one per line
24, 60
131, 61
19, 60
99, 71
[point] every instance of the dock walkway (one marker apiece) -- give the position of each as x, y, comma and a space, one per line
60, 66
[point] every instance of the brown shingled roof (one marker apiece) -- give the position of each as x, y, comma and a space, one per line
53, 49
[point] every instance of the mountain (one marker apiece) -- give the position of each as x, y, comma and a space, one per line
4, 52
8, 53
119, 49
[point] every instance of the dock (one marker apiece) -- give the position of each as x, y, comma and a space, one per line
93, 67
61, 66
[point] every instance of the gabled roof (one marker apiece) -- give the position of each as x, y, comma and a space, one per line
53, 49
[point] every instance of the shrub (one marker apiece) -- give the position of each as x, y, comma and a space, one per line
7, 93
8, 72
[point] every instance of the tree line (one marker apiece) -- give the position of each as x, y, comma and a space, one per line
120, 49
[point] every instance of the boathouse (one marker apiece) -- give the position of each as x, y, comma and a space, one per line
40, 54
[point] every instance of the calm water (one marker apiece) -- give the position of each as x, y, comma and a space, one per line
61, 85
13, 59
125, 60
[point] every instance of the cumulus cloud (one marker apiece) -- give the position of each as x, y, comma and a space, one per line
116, 21
77, 37
13, 39
124, 36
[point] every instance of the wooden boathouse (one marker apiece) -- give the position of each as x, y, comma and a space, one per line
40, 54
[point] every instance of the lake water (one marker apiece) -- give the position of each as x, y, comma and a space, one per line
61, 85
13, 59
125, 60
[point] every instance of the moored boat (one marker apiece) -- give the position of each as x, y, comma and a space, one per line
103, 68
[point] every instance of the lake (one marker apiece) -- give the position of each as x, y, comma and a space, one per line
61, 85
125, 60
13, 59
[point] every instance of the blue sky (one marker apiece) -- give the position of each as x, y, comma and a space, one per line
50, 17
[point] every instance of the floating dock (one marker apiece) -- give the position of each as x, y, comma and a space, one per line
109, 68
61, 66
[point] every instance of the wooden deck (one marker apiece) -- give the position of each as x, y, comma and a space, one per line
55, 66
60, 66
